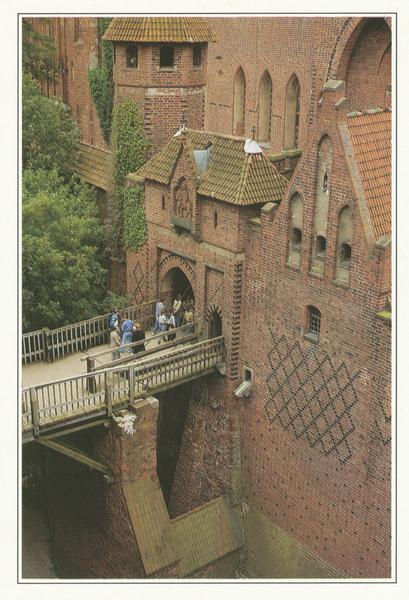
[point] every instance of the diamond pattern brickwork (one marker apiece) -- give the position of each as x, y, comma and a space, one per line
312, 397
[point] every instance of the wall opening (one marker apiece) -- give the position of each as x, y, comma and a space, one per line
166, 57
292, 114
266, 95
239, 102
175, 282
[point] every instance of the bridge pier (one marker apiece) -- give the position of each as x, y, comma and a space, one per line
123, 530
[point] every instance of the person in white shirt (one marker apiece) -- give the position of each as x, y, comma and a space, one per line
162, 323
159, 307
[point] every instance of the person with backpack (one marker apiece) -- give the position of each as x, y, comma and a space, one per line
114, 320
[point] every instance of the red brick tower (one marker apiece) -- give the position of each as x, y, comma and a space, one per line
162, 63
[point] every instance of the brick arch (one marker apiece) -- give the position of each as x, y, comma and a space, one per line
344, 44
211, 309
171, 261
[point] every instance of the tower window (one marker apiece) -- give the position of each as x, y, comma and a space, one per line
320, 247
163, 203
167, 57
197, 55
215, 219
132, 56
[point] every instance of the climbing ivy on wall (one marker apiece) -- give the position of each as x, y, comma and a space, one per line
130, 147
101, 83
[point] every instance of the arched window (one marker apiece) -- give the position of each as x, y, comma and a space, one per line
344, 249
312, 324
239, 102
266, 94
320, 244
292, 114
296, 214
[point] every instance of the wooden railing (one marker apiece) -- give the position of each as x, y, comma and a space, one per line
52, 345
86, 395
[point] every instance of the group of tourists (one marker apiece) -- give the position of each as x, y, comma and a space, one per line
124, 331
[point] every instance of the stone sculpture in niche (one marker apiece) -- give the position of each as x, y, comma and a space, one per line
183, 205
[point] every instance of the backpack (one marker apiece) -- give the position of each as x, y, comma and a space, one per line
113, 320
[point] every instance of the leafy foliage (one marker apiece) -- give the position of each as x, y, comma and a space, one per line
63, 279
130, 152
50, 136
39, 54
134, 232
101, 84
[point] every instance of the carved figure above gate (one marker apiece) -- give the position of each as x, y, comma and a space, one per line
183, 201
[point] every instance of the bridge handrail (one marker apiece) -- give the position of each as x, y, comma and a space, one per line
92, 391
198, 323
46, 344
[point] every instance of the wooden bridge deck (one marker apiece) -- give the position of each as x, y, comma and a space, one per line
84, 395
70, 366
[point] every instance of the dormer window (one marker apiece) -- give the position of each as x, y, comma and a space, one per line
132, 56
320, 247
166, 57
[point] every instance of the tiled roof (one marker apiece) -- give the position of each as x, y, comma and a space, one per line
94, 166
159, 29
233, 176
206, 534
151, 523
370, 133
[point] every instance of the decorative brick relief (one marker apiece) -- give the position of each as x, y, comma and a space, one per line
312, 397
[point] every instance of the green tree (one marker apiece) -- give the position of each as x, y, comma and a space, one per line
39, 54
101, 83
62, 275
49, 135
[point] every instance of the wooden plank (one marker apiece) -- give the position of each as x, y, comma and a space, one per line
74, 453
50, 436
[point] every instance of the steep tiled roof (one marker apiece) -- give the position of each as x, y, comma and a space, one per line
206, 534
94, 166
159, 29
370, 133
233, 176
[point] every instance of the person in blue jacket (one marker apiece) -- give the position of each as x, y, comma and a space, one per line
126, 328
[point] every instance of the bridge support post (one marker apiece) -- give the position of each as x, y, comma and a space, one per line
131, 384
91, 386
108, 392
34, 411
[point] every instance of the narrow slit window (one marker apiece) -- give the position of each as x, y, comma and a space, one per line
197, 56
163, 203
215, 219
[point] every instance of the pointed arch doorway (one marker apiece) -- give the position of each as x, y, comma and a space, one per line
175, 282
